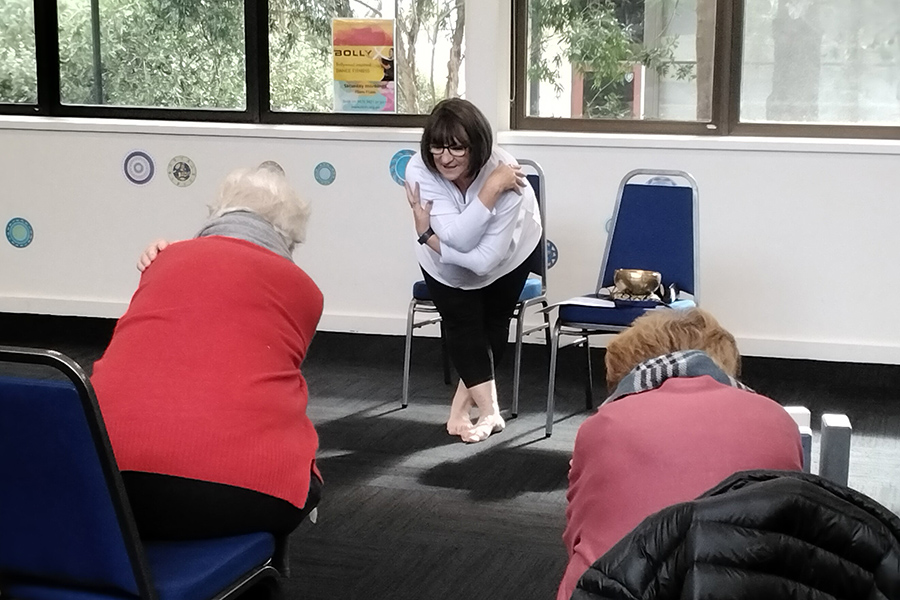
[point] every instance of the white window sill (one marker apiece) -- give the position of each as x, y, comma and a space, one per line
413, 134
686, 142
198, 128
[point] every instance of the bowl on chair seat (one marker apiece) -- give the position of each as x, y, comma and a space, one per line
637, 282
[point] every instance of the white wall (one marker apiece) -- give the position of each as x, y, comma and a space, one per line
798, 251
798, 248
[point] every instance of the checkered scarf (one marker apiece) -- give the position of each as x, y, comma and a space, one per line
651, 373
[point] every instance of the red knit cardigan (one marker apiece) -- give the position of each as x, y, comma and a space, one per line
202, 376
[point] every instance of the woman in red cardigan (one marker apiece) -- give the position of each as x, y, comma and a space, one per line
201, 388
676, 424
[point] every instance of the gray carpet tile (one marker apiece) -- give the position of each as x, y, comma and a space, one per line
409, 512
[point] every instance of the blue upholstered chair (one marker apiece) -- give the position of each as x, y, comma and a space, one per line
654, 227
66, 528
534, 293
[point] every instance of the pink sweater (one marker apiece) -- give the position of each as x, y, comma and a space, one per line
650, 450
202, 376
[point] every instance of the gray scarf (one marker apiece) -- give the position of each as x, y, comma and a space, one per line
248, 226
651, 373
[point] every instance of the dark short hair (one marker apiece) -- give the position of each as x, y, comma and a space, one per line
457, 121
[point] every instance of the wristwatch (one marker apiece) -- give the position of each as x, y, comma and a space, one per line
425, 236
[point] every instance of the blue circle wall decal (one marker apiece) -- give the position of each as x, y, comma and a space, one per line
552, 254
138, 167
398, 165
19, 232
324, 173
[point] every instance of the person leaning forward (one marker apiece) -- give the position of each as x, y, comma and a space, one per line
478, 228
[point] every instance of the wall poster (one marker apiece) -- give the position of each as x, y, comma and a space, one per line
363, 65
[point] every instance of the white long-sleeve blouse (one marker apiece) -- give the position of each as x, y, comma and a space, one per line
478, 245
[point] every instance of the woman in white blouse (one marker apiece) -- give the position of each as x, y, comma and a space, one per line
479, 228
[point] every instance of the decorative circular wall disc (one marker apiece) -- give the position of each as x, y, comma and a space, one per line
324, 173
398, 165
552, 254
138, 167
182, 171
19, 232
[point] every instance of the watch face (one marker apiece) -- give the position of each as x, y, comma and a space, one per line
425, 236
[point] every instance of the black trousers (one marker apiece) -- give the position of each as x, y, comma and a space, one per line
175, 508
476, 322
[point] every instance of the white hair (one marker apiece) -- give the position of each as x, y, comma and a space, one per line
266, 192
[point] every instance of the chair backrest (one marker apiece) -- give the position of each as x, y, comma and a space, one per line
655, 226
64, 515
537, 180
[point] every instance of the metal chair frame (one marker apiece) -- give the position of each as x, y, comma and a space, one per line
581, 332
133, 545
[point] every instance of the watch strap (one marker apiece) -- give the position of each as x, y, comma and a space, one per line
426, 235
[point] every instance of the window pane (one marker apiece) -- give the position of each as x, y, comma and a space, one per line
18, 69
153, 53
428, 51
822, 61
621, 59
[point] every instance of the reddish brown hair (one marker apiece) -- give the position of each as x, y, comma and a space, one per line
663, 331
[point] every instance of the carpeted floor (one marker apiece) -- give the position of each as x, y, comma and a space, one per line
410, 513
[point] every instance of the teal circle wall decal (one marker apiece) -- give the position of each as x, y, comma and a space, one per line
398, 165
19, 232
324, 173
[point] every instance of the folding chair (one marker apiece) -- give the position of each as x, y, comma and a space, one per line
655, 227
66, 527
534, 293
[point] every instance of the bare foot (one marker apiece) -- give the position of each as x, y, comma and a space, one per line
458, 425
459, 421
482, 430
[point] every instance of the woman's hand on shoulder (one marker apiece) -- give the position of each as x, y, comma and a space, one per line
504, 178
150, 253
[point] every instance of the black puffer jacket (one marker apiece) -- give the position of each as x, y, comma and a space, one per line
758, 534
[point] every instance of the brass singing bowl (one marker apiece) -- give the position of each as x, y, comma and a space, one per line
636, 281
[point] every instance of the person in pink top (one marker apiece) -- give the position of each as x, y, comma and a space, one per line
676, 423
200, 387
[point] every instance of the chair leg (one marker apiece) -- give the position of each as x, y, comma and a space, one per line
589, 383
517, 370
407, 351
547, 335
445, 356
281, 558
551, 384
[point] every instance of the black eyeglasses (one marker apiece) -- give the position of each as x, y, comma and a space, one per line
456, 151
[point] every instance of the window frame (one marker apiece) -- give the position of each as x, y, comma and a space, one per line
726, 98
257, 111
